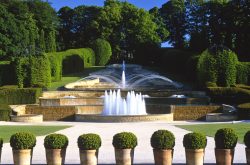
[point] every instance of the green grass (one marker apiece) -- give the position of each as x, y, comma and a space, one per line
73, 77
8, 130
210, 129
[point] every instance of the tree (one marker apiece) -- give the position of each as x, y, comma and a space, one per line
173, 13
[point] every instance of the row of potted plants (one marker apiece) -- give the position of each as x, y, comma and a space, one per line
162, 142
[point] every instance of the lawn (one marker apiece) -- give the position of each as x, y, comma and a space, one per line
73, 77
210, 129
6, 131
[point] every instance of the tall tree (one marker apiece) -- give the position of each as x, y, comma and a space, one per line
174, 14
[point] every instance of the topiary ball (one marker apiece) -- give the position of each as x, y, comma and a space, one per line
225, 138
124, 140
22, 140
162, 139
89, 141
56, 141
247, 139
1, 142
194, 140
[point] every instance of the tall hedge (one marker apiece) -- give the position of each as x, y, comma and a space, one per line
7, 73
19, 95
102, 51
40, 71
33, 71
217, 65
243, 73
55, 67
70, 61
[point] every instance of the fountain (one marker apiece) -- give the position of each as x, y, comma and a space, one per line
114, 104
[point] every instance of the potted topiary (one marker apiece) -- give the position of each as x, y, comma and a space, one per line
195, 144
124, 144
89, 145
1, 146
225, 142
55, 145
163, 142
22, 144
247, 143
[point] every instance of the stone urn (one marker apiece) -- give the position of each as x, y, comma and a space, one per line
22, 157
124, 156
163, 157
55, 156
224, 156
194, 156
88, 157
248, 155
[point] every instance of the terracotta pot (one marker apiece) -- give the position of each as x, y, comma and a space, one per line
248, 155
22, 157
194, 156
55, 156
163, 157
88, 157
124, 156
224, 156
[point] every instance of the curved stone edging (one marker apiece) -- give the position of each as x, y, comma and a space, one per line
29, 118
127, 118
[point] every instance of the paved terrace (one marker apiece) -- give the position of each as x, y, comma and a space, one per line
143, 152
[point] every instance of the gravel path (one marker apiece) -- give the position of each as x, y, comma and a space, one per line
143, 152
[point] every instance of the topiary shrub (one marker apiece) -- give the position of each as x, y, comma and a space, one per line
5, 112
56, 141
1, 142
22, 140
89, 141
225, 138
243, 73
194, 140
102, 51
124, 140
247, 139
162, 139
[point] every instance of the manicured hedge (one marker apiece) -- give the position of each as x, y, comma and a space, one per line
102, 51
244, 111
228, 95
5, 112
70, 61
191, 69
40, 71
218, 65
55, 67
243, 73
19, 95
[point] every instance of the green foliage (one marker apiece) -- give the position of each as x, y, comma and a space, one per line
194, 140
211, 84
102, 51
22, 140
124, 140
19, 96
56, 141
40, 75
247, 139
217, 65
162, 139
7, 73
225, 138
191, 68
244, 111
1, 142
228, 95
5, 112
55, 66
89, 141
22, 70
243, 73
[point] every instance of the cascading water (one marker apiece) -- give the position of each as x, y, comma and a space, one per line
114, 104
123, 75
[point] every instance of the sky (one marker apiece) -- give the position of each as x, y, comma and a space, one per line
146, 4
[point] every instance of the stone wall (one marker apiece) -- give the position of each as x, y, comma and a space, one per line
65, 113
194, 112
